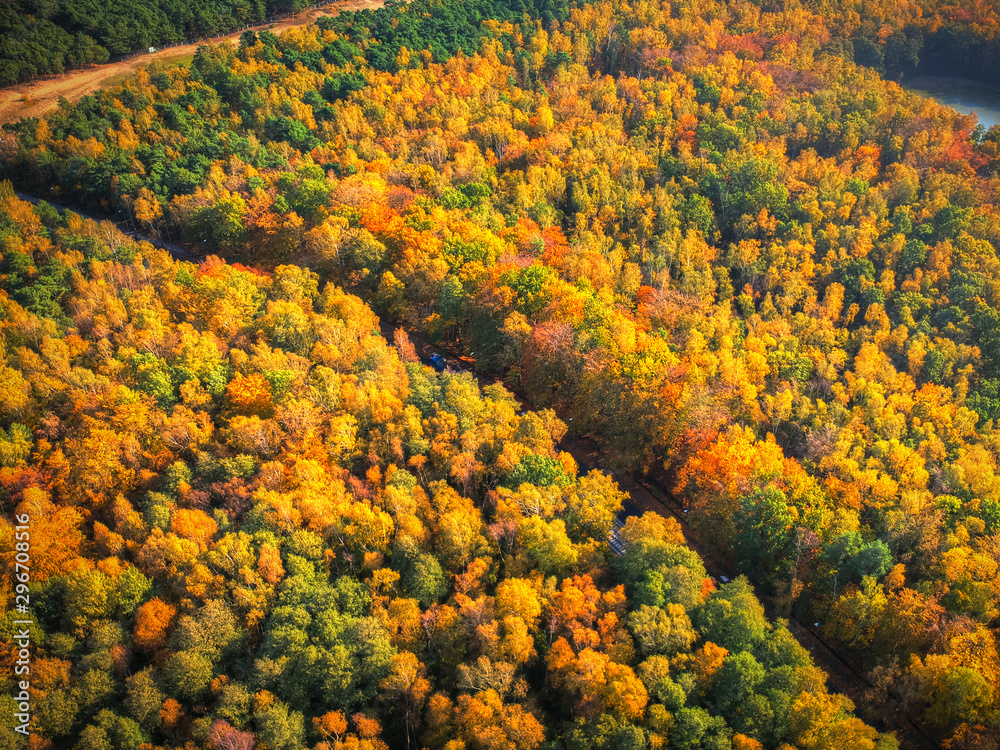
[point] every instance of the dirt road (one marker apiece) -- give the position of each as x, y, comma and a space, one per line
647, 494
37, 98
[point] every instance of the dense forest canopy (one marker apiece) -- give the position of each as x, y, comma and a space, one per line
704, 231
253, 520
40, 37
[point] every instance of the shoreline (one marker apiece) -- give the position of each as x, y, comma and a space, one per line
964, 95
921, 81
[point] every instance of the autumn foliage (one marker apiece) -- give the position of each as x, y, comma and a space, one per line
711, 237
328, 546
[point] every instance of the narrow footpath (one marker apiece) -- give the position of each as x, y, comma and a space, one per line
648, 494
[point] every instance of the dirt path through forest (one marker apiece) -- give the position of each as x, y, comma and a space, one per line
648, 494
36, 98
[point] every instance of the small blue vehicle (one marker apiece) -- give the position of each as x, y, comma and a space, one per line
438, 361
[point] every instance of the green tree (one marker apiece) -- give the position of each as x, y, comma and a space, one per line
764, 535
143, 699
733, 618
739, 678
187, 675
548, 545
425, 579
662, 631
280, 728
852, 558
697, 729
111, 732
541, 471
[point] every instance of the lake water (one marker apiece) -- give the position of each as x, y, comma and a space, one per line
963, 95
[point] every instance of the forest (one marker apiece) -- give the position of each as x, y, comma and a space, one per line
43, 37
253, 520
711, 236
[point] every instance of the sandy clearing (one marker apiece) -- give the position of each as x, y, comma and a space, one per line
35, 99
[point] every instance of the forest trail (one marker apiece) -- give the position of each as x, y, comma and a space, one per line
33, 99
648, 494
